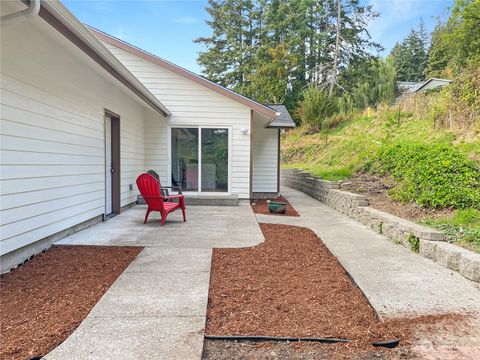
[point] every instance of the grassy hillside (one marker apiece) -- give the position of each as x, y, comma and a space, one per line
431, 168
347, 148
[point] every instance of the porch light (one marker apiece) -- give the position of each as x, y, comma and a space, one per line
244, 131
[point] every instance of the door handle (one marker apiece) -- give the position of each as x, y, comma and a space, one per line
112, 170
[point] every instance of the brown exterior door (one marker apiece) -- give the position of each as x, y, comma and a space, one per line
116, 165
112, 164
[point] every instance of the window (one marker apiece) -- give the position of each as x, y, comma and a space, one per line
200, 159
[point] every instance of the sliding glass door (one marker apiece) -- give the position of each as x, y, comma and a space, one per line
185, 158
199, 159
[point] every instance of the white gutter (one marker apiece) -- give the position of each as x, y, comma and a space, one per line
30, 12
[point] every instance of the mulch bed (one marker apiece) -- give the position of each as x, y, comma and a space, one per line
376, 188
291, 285
261, 207
43, 301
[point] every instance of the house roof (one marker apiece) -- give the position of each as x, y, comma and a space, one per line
407, 86
54, 13
283, 119
440, 82
154, 59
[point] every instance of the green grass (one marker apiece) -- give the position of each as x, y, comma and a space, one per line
332, 174
332, 156
463, 228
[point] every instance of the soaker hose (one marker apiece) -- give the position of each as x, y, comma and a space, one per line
387, 344
274, 338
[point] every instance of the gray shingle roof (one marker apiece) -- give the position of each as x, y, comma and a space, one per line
431, 83
283, 120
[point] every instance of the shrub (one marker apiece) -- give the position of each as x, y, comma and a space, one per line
430, 175
315, 108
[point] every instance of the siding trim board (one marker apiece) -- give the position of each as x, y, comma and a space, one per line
278, 161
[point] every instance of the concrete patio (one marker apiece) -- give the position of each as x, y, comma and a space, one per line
157, 308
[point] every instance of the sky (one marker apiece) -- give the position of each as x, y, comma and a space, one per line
166, 28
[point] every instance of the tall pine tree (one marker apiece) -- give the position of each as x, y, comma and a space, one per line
273, 49
456, 43
231, 47
438, 54
410, 57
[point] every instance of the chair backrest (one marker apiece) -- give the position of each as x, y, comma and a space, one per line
154, 174
149, 188
163, 191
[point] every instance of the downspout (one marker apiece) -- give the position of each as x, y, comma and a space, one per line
32, 10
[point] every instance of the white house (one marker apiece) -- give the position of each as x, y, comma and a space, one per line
83, 114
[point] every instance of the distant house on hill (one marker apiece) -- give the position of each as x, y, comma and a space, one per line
410, 87
406, 86
430, 84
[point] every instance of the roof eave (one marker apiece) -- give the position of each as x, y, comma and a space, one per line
63, 21
109, 39
429, 81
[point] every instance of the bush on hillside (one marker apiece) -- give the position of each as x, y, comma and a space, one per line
462, 98
430, 175
316, 108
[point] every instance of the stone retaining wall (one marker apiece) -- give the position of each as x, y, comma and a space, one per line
428, 242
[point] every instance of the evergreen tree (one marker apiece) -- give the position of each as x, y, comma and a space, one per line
231, 47
273, 49
410, 57
400, 57
457, 43
438, 54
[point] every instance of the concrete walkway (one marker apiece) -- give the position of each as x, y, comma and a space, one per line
156, 309
395, 280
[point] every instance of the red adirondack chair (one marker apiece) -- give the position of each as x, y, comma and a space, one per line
150, 190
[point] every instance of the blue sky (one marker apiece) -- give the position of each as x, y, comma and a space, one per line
167, 27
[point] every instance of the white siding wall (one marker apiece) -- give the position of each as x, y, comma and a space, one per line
156, 156
265, 161
52, 135
190, 104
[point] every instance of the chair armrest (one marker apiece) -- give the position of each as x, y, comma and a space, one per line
174, 196
153, 197
178, 188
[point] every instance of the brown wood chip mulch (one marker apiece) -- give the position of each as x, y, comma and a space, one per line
261, 207
43, 301
291, 285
